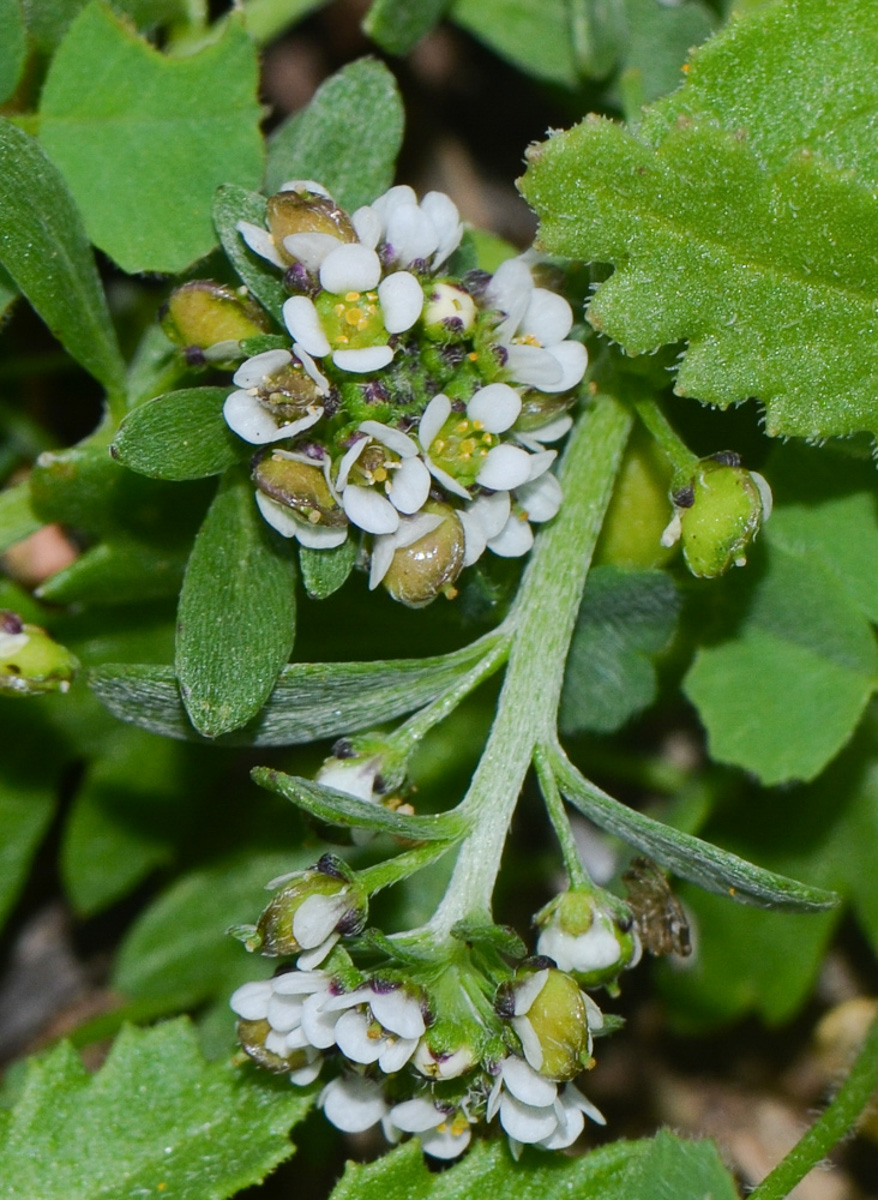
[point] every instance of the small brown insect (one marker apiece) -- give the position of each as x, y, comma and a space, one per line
658, 914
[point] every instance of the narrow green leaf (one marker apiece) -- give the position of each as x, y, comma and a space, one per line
45, 249
181, 435
711, 868
325, 571
231, 205
536, 38
25, 812
347, 138
75, 1136
121, 571
309, 700
13, 47
17, 517
340, 808
237, 617
397, 25
111, 103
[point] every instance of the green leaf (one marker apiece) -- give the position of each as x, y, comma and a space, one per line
155, 1120
25, 812
237, 617
347, 138
784, 693
181, 435
325, 571
656, 41
534, 37
397, 25
264, 19
144, 140
309, 700
744, 230
675, 1168
690, 857
118, 572
232, 204
13, 47
626, 618
17, 517
44, 247
339, 808
48, 22
178, 953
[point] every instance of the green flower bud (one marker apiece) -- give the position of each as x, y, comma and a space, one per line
720, 513
588, 934
312, 912
300, 486
551, 1015
305, 212
203, 313
430, 565
30, 661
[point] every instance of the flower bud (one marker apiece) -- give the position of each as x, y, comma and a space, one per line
300, 486
445, 1051
253, 1034
449, 314
203, 313
30, 661
720, 513
551, 1016
588, 935
430, 565
312, 912
296, 212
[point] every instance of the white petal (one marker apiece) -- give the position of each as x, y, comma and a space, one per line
353, 1104
540, 463
444, 214
351, 776
311, 248
316, 918
370, 358
528, 1085
253, 372
535, 366
572, 1097
350, 267
496, 407
279, 517
300, 983
410, 233
399, 1012
318, 1025
435, 415
383, 549
409, 486
540, 499
570, 1125
303, 321
315, 956
530, 1043
448, 481
352, 1037
572, 357
369, 510
260, 242
551, 432
549, 318
349, 457
249, 419
304, 185
514, 539
394, 439
411, 529
393, 198
475, 543
492, 512
593, 1014
504, 468
525, 1123
251, 1000
285, 1012
509, 291
415, 1116
368, 225
276, 1043
445, 1143
527, 991
320, 537
305, 1075
311, 367
402, 299
765, 494
396, 1053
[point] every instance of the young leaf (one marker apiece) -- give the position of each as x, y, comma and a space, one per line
231, 205
237, 617
17, 517
347, 138
13, 47
309, 700
181, 435
711, 868
626, 618
350, 812
324, 571
535, 38
397, 25
44, 247
215, 1131
752, 237
111, 103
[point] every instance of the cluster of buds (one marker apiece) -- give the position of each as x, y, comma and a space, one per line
438, 1037
404, 405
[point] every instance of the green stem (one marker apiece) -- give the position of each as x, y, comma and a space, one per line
675, 450
542, 625
576, 872
838, 1119
393, 870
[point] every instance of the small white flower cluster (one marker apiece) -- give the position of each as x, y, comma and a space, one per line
408, 401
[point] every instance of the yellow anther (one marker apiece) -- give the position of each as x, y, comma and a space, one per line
380, 475
438, 445
472, 356
352, 297
462, 426
468, 446
478, 426
338, 309
353, 316
314, 517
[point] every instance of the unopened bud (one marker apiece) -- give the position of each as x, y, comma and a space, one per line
449, 313
719, 514
588, 935
300, 486
203, 313
253, 1034
30, 661
291, 213
551, 1016
430, 565
312, 912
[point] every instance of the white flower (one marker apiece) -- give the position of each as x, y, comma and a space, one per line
442, 1134
353, 1104
425, 233
534, 330
442, 1066
595, 950
397, 485
370, 1025
255, 422
531, 1109
281, 1002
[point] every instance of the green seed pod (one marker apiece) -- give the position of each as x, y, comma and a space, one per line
30, 661
299, 486
558, 1019
298, 212
540, 408
720, 514
419, 572
203, 313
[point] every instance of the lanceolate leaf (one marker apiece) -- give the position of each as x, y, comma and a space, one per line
347, 138
237, 616
309, 700
215, 1130
324, 571
181, 435
689, 857
44, 247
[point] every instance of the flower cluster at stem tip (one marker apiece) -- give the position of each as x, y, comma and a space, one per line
429, 1036
406, 406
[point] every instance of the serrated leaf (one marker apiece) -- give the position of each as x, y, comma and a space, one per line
347, 138
17, 517
350, 812
236, 620
536, 38
783, 694
739, 234
13, 47
626, 618
325, 571
180, 435
691, 858
398, 25
104, 113
44, 247
309, 700
25, 812
231, 205
674, 1168
155, 1120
